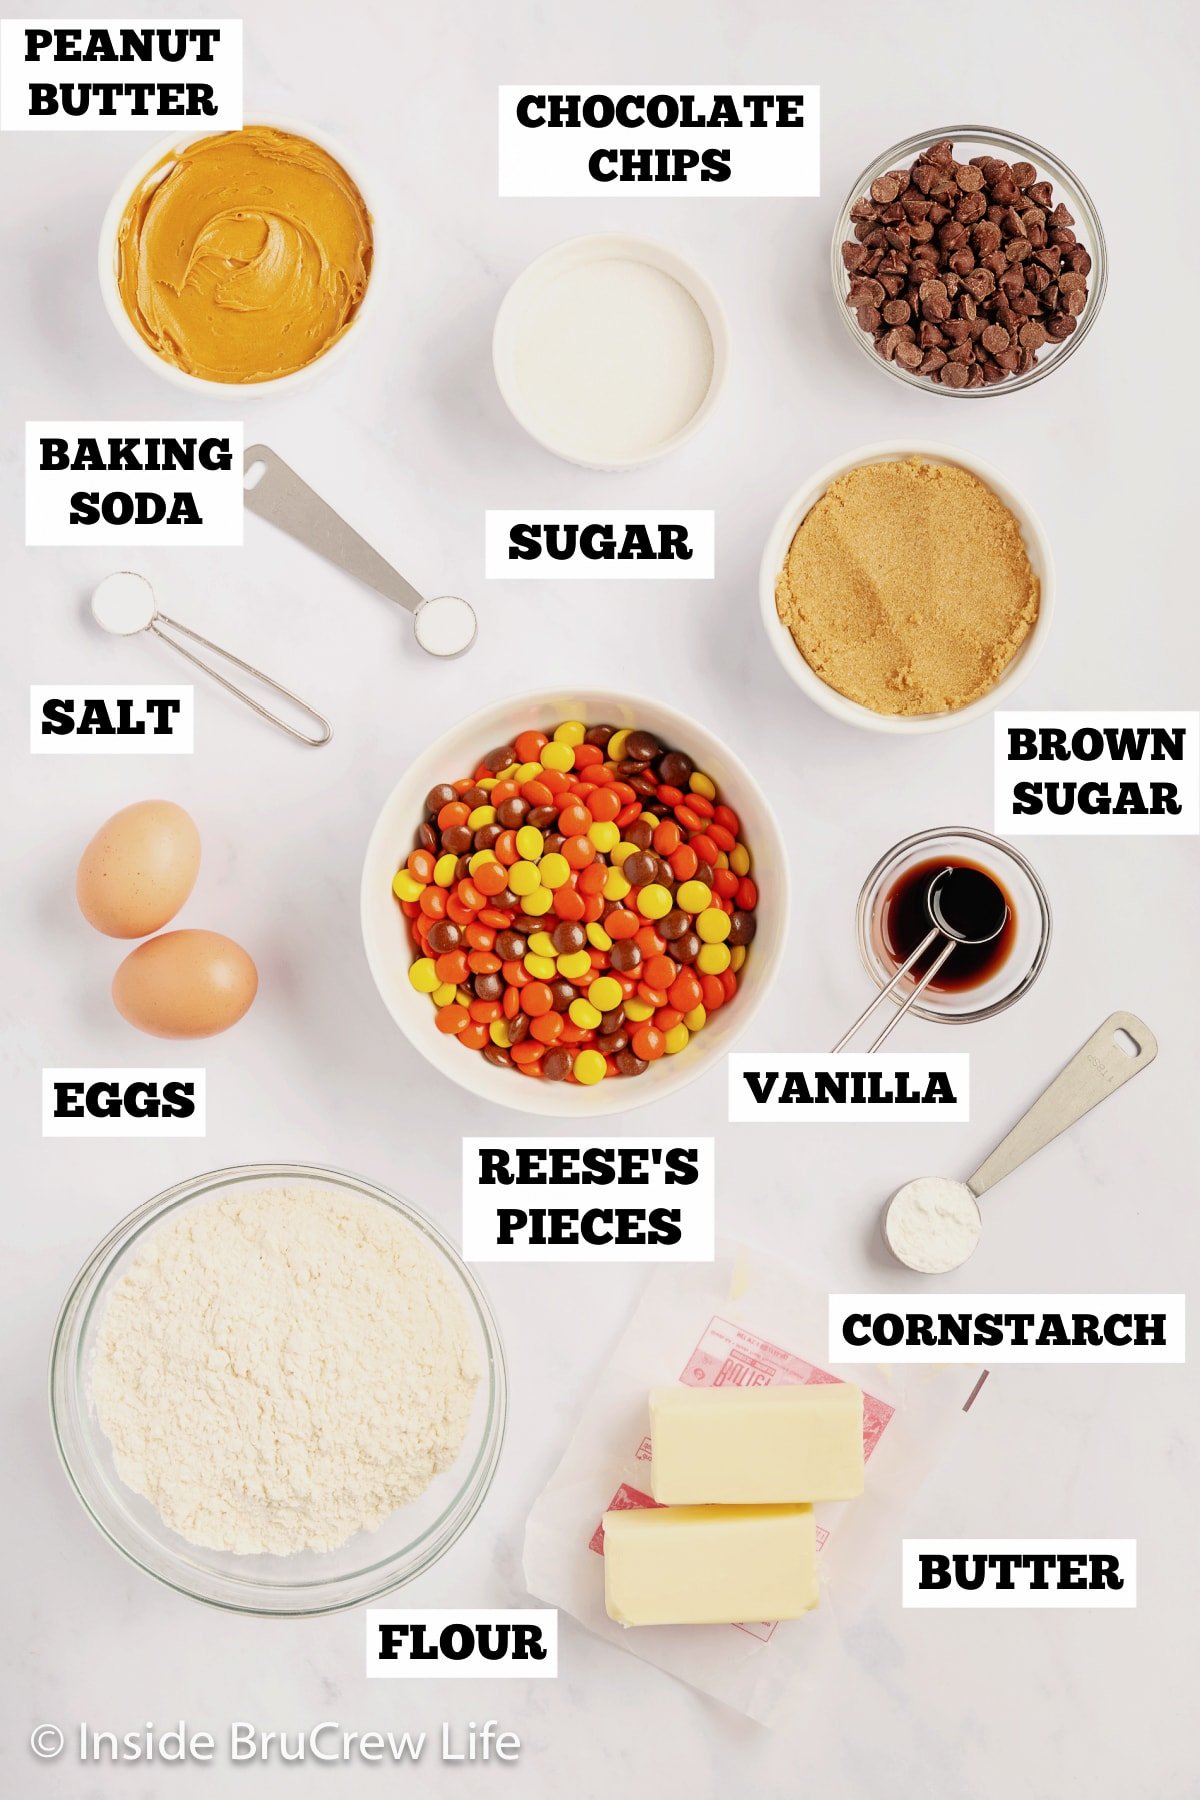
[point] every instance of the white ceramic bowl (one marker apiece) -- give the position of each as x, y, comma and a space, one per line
385, 930
573, 253
197, 384
784, 530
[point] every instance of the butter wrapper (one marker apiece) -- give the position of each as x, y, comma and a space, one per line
742, 1320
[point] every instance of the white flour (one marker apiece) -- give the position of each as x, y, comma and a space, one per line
932, 1224
283, 1367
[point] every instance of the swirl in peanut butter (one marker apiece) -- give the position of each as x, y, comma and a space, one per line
244, 256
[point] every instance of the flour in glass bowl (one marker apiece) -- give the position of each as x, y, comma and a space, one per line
281, 1367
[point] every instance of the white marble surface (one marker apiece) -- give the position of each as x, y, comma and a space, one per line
410, 438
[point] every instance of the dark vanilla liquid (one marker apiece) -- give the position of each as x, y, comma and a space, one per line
971, 904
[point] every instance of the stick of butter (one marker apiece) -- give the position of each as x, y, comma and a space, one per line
709, 1565
752, 1446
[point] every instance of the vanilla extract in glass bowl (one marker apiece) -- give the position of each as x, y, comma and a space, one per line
978, 979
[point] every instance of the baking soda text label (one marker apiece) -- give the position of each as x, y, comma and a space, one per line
518, 1643
111, 721
569, 142
1019, 1572
796, 1088
121, 482
588, 1200
550, 545
1007, 1328
115, 75
1108, 774
123, 1103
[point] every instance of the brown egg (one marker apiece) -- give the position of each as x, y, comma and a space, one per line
185, 984
138, 869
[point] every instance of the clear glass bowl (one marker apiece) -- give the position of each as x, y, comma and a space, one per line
969, 141
373, 1563
1023, 963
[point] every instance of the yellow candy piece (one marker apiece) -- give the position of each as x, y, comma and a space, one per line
554, 871
530, 843
693, 896
537, 903
713, 925
542, 944
406, 886
487, 784
697, 1019
713, 959
701, 784
615, 749
464, 996
739, 859
498, 1032
527, 772
558, 756
649, 818
737, 958
443, 870
597, 937
571, 731
654, 901
604, 835
482, 815
589, 1067
504, 774
606, 992
523, 878
637, 1010
423, 975
444, 993
722, 861
574, 965
615, 885
676, 1039
620, 851
584, 1014
480, 857
543, 967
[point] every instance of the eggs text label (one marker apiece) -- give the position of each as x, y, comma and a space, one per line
505, 1642
111, 721
849, 1087
112, 1103
111, 75
1007, 1328
1106, 774
551, 545
568, 142
953, 1573
144, 483
534, 1199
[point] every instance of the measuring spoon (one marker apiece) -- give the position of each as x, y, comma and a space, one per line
444, 624
1113, 1055
124, 604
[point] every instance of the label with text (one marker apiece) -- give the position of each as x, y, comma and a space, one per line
122, 1103
588, 1199
69, 720
512, 1643
1097, 774
1018, 1572
641, 139
790, 1088
116, 481
120, 74
1007, 1328
553, 545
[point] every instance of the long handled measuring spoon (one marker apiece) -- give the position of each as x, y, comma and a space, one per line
965, 907
933, 1224
124, 604
444, 624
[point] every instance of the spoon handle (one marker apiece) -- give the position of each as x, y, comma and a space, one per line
1094, 1072
280, 496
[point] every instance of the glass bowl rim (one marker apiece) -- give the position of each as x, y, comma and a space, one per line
301, 1599
1032, 152
972, 832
